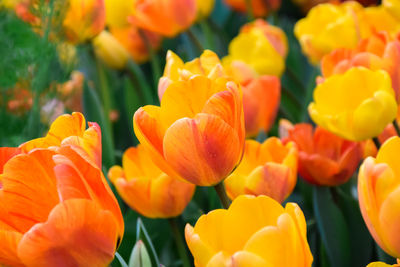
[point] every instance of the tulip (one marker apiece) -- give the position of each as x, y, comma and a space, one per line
393, 7
130, 38
378, 191
146, 188
165, 17
327, 27
197, 133
259, 8
208, 64
83, 20
324, 158
267, 169
261, 99
378, 18
356, 105
6, 153
57, 208
254, 231
204, 8
382, 264
70, 130
379, 51
109, 50
256, 49
118, 11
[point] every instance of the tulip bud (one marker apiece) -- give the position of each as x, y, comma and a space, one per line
139, 256
109, 50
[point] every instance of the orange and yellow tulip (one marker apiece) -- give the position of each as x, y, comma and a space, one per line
147, 189
83, 20
267, 169
378, 192
382, 264
356, 105
261, 99
328, 27
165, 17
379, 51
118, 12
259, 8
324, 158
254, 231
70, 130
197, 133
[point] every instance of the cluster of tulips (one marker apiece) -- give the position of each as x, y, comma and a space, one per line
209, 130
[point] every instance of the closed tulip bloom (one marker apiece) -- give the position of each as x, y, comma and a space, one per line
110, 51
378, 18
254, 231
57, 209
197, 133
259, 8
84, 19
118, 11
207, 64
356, 105
147, 189
261, 99
327, 27
378, 192
204, 8
267, 169
165, 17
324, 158
258, 50
379, 51
70, 130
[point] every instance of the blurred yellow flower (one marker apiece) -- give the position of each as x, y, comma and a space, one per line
118, 11
109, 50
204, 8
356, 105
393, 7
254, 231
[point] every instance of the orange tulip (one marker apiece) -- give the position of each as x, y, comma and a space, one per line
378, 191
324, 158
260, 8
198, 131
70, 130
379, 51
6, 153
147, 189
267, 169
254, 231
166, 17
84, 19
261, 99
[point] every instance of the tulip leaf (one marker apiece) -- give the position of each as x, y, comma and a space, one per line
332, 227
141, 234
120, 260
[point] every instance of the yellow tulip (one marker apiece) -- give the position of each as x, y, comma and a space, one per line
118, 11
356, 105
267, 169
254, 231
253, 48
327, 27
393, 7
108, 49
382, 264
379, 196
377, 18
204, 8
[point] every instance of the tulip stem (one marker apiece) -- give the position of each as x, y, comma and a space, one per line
195, 40
249, 8
376, 142
220, 189
180, 244
396, 126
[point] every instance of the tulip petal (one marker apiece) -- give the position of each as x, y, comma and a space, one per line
8, 248
77, 233
29, 189
239, 259
203, 150
7, 153
63, 127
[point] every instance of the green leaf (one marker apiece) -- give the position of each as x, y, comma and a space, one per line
120, 260
332, 227
139, 256
144, 236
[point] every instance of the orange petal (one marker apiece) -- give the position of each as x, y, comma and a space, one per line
63, 127
77, 233
7, 153
203, 150
8, 248
29, 189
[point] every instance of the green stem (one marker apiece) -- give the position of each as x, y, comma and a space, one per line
396, 127
180, 244
250, 11
220, 189
143, 84
376, 142
206, 29
290, 95
193, 38
155, 63
295, 79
